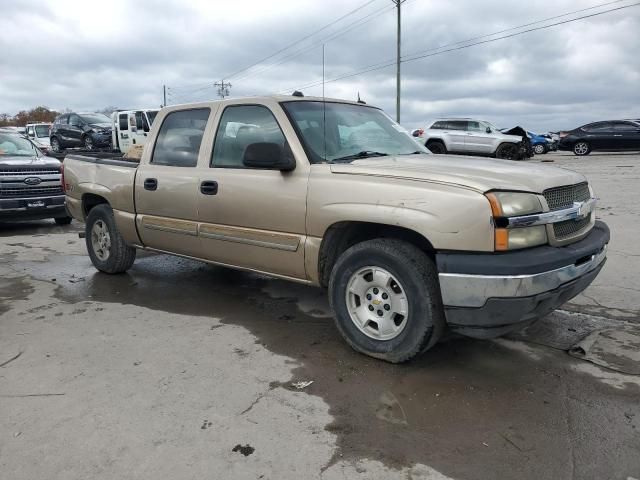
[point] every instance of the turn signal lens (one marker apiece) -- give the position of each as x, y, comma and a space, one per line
502, 239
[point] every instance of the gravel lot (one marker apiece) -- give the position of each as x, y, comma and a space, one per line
183, 370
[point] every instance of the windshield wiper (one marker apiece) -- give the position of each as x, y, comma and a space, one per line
362, 154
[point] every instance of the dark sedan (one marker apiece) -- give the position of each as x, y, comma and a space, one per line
85, 130
613, 135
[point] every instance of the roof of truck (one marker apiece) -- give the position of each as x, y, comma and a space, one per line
280, 98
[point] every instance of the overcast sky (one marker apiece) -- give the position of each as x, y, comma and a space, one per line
89, 55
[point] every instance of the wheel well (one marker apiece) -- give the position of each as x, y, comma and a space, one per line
90, 200
343, 235
434, 140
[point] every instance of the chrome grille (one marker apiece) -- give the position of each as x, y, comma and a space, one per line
563, 197
570, 227
26, 191
32, 171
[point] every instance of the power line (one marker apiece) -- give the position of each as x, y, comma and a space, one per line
369, 2
420, 55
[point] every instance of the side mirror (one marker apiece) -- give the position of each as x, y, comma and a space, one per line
268, 156
488, 129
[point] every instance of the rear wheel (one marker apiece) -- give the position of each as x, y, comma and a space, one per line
507, 151
437, 147
581, 148
107, 249
386, 298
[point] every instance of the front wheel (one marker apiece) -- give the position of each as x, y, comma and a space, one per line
386, 298
107, 249
539, 149
581, 148
437, 147
88, 143
55, 145
507, 151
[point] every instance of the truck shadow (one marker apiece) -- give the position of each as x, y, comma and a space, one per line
469, 409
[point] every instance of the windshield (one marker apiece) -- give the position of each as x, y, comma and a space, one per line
42, 131
16, 146
340, 131
92, 118
151, 115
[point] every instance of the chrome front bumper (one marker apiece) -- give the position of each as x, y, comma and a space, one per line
461, 290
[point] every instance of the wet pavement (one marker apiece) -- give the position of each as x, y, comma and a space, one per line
179, 369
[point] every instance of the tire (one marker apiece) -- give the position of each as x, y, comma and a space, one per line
114, 256
507, 151
63, 220
436, 147
581, 148
87, 143
413, 274
539, 149
55, 145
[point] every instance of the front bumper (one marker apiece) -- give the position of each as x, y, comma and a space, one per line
488, 295
101, 140
32, 208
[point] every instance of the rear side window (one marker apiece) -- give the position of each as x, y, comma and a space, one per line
179, 139
239, 127
597, 127
122, 121
63, 120
439, 125
457, 125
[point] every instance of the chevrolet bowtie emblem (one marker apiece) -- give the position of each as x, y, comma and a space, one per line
584, 209
376, 302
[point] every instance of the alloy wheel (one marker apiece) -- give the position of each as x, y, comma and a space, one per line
101, 240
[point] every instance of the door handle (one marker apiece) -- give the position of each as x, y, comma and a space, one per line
151, 184
209, 187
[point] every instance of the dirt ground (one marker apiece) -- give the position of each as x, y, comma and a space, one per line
182, 370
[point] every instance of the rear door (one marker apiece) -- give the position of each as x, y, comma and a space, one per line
62, 125
122, 132
456, 132
167, 187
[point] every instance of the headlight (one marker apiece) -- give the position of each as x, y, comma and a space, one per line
514, 204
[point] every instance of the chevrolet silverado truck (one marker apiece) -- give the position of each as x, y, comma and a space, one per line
336, 194
30, 184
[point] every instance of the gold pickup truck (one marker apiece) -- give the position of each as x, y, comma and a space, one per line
336, 194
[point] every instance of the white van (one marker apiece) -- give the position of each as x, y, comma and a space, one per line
39, 133
130, 128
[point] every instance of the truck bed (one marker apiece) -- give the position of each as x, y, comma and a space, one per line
105, 158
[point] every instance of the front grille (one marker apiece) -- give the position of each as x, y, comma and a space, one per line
570, 227
563, 197
29, 171
26, 191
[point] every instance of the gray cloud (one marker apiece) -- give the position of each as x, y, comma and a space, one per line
87, 55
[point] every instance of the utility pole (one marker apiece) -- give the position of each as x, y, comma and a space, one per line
223, 88
164, 95
398, 42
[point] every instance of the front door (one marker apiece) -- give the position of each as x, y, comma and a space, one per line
477, 139
252, 218
122, 132
627, 135
167, 187
456, 132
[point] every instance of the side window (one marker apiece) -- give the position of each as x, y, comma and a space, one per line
122, 121
74, 120
179, 139
240, 126
63, 120
139, 121
474, 126
457, 125
625, 127
439, 125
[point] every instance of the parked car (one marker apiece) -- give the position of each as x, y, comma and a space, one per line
30, 184
468, 136
39, 134
80, 130
131, 127
407, 243
612, 135
540, 143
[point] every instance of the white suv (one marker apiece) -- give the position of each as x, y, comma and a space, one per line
468, 136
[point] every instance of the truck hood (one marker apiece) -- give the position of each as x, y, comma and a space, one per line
477, 173
9, 162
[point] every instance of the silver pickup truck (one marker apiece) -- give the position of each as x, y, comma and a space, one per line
30, 185
336, 194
